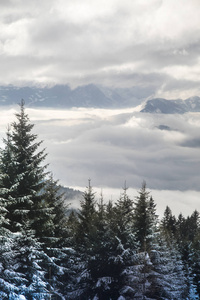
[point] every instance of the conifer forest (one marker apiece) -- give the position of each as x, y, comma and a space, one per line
118, 250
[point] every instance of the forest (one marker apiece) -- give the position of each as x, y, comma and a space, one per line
116, 250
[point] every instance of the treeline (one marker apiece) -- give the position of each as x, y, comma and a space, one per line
103, 251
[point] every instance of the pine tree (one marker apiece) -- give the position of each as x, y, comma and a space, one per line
167, 277
124, 219
145, 219
159, 267
7, 166
26, 272
189, 248
114, 246
168, 224
86, 215
25, 173
6, 256
113, 249
10, 279
56, 238
52, 225
28, 214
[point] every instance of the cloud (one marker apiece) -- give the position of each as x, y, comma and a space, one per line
113, 146
180, 202
152, 44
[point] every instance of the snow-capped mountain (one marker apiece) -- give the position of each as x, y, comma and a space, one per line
178, 106
62, 96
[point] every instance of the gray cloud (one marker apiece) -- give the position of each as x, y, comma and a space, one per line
126, 146
153, 44
113, 146
192, 142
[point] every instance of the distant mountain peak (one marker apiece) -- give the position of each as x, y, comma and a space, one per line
178, 106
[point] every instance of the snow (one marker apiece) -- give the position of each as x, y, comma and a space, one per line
22, 297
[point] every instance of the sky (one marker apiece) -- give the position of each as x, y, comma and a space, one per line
153, 44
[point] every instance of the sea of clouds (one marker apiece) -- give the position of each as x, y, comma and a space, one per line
114, 146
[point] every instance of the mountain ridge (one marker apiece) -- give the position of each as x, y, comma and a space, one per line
91, 95
179, 106
62, 96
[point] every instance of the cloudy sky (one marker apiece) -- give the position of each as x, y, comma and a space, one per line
150, 44
153, 44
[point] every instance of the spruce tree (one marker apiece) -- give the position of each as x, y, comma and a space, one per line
86, 215
168, 224
84, 239
10, 278
28, 174
7, 239
145, 219
113, 248
56, 239
159, 267
124, 219
28, 213
52, 225
167, 276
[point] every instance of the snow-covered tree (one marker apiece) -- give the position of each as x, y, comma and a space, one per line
123, 219
29, 171
7, 238
27, 213
167, 276
159, 267
56, 238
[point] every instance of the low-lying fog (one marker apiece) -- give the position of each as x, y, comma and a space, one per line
114, 146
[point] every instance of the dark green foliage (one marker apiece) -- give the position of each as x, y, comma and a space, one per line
32, 211
103, 254
53, 214
145, 219
185, 233
22, 174
168, 223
